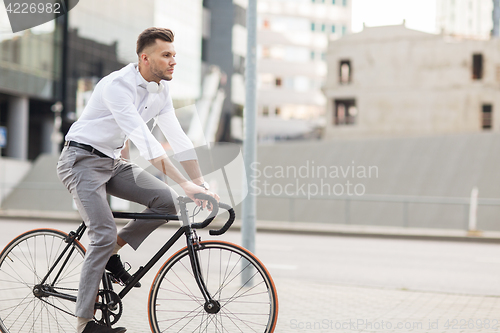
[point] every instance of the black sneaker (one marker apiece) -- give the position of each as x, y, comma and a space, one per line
93, 327
116, 268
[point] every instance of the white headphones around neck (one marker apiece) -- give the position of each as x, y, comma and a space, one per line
154, 88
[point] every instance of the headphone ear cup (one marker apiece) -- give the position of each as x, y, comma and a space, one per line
152, 87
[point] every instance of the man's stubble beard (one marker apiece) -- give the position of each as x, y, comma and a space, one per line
156, 72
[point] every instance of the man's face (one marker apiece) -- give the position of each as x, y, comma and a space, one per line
162, 60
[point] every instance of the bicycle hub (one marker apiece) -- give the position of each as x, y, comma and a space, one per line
39, 291
212, 306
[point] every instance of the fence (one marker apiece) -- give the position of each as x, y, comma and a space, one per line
405, 201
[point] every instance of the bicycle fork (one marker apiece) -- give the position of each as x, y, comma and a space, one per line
211, 305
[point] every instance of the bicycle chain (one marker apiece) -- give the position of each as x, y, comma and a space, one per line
64, 288
58, 308
100, 292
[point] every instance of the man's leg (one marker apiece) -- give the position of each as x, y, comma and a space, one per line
135, 184
85, 175
102, 234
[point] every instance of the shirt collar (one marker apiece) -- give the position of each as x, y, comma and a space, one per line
139, 79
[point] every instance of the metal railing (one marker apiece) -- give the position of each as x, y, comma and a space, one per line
404, 200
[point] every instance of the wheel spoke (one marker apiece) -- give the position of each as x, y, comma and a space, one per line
177, 304
23, 264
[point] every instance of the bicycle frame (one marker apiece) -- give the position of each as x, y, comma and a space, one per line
191, 241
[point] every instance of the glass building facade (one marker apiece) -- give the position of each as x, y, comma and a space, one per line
30, 83
30, 61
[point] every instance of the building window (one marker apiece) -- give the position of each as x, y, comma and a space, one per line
344, 3
333, 2
266, 24
477, 66
277, 111
333, 29
204, 49
487, 116
323, 56
266, 52
323, 27
313, 26
238, 64
278, 82
345, 112
345, 72
265, 110
313, 55
344, 30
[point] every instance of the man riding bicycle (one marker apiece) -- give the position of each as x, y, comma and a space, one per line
90, 165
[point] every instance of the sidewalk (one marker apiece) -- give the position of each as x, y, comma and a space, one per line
311, 228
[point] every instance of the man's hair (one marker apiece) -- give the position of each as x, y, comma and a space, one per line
149, 36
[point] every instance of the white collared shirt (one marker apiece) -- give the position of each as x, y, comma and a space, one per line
120, 108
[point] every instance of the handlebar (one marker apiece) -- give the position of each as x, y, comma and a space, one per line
229, 222
215, 209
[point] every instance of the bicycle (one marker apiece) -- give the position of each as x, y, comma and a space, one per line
210, 285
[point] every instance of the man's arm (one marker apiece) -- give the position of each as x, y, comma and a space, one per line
125, 152
192, 168
163, 164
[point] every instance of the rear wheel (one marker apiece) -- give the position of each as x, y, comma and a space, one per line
244, 293
24, 307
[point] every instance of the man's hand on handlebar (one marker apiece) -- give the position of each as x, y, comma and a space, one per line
191, 189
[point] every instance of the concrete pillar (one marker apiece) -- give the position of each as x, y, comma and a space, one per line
47, 129
17, 128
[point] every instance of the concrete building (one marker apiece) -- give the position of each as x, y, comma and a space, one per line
292, 42
465, 18
225, 46
387, 81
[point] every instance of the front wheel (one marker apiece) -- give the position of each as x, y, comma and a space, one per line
234, 277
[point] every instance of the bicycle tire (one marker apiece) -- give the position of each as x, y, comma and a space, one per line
246, 304
23, 263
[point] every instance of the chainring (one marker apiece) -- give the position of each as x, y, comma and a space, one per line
110, 311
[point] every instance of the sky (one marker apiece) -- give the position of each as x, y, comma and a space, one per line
419, 14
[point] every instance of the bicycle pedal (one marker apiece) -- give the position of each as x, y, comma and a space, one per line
115, 280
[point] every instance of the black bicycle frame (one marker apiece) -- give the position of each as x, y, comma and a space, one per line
72, 236
137, 276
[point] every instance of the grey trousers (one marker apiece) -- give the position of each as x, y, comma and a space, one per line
89, 178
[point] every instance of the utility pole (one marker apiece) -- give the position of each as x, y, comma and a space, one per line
250, 143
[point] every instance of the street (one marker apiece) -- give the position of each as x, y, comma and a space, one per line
347, 284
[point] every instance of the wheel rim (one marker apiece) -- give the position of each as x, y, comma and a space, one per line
237, 282
23, 263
